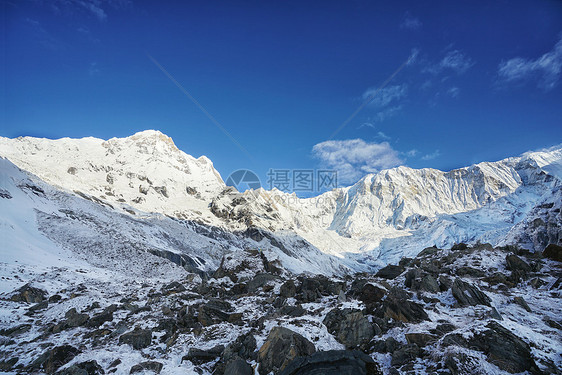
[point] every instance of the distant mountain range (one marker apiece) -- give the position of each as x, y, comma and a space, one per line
141, 194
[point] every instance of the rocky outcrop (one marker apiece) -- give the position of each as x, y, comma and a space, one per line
333, 362
280, 348
350, 327
468, 295
138, 338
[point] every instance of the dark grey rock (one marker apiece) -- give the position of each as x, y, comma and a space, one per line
420, 339
514, 263
54, 358
200, 356
390, 272
238, 367
333, 362
288, 289
83, 368
553, 252
75, 319
429, 284
504, 349
138, 338
405, 354
280, 348
469, 295
147, 366
350, 327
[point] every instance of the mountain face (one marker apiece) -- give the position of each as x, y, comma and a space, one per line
378, 220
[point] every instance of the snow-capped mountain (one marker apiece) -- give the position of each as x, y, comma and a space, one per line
378, 220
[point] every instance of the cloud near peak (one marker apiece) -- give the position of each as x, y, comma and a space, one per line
354, 158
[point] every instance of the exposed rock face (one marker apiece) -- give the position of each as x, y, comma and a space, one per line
280, 348
138, 339
504, 349
554, 252
83, 368
199, 356
52, 359
333, 362
468, 295
238, 367
29, 294
390, 271
151, 366
398, 307
350, 327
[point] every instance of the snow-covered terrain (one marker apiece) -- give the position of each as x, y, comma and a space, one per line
130, 256
378, 220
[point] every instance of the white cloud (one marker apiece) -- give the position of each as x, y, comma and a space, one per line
457, 61
354, 158
388, 113
546, 68
378, 97
454, 92
381, 135
435, 154
412, 153
410, 22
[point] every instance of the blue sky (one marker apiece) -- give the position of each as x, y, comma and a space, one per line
443, 85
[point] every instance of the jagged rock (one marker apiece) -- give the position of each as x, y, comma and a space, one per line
173, 287
459, 363
470, 271
105, 316
29, 294
288, 289
259, 281
514, 263
280, 348
411, 276
442, 329
83, 368
459, 246
420, 339
52, 359
468, 295
370, 294
138, 338
390, 272
313, 288
429, 284
397, 306
75, 319
244, 347
16, 330
553, 252
405, 354
148, 365
238, 367
350, 327
8, 364
200, 356
386, 346
504, 349
216, 311
293, 311
333, 362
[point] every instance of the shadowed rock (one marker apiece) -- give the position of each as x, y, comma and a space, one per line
333, 362
280, 348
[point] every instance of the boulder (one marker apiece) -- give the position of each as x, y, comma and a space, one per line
288, 289
333, 362
29, 294
420, 339
390, 272
75, 319
397, 306
138, 338
553, 252
514, 263
243, 347
468, 295
350, 327
405, 354
238, 367
105, 316
521, 302
370, 294
83, 368
152, 366
280, 348
200, 356
429, 284
54, 358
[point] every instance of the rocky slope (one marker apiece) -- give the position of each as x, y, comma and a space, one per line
468, 310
